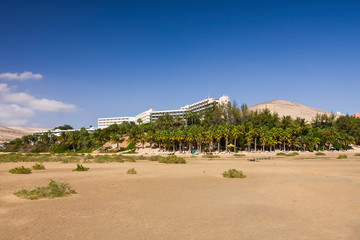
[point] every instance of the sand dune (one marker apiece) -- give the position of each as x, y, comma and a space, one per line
288, 108
11, 133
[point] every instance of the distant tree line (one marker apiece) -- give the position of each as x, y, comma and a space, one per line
219, 128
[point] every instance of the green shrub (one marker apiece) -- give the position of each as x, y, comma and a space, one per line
357, 154
52, 190
342, 156
20, 170
80, 168
141, 157
172, 159
131, 171
239, 155
233, 173
320, 154
281, 154
211, 156
38, 166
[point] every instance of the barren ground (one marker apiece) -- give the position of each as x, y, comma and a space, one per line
282, 198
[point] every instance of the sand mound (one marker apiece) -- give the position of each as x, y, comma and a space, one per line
288, 108
11, 133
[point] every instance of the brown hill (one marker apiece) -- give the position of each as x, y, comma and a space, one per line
287, 108
11, 133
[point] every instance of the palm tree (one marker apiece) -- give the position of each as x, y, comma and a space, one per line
218, 135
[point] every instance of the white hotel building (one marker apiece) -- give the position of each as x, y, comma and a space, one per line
151, 115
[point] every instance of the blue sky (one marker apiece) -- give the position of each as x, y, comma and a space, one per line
119, 58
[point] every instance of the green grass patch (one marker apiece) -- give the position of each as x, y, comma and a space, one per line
342, 156
52, 190
320, 154
131, 171
20, 170
239, 155
172, 160
357, 155
80, 168
233, 173
281, 154
38, 166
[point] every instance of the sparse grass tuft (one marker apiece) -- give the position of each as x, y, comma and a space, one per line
342, 156
239, 155
281, 154
211, 156
292, 154
172, 159
52, 190
155, 158
141, 157
320, 154
80, 168
89, 156
20, 170
131, 171
233, 173
357, 155
38, 166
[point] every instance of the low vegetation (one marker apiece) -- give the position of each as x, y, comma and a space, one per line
38, 166
131, 171
357, 155
52, 190
320, 154
80, 168
233, 173
20, 170
342, 156
113, 158
239, 155
292, 154
172, 159
211, 156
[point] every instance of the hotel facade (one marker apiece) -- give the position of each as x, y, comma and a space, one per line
151, 115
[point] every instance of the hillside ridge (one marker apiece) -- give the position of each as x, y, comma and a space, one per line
289, 108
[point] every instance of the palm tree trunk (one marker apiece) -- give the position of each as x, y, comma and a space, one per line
255, 143
218, 146
235, 145
226, 147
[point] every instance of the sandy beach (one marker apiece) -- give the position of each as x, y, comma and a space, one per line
299, 197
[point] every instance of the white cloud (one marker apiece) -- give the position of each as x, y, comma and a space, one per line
16, 108
21, 76
12, 114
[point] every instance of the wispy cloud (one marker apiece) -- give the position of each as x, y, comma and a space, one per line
17, 107
20, 76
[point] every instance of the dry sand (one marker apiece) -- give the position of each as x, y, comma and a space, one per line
287, 198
